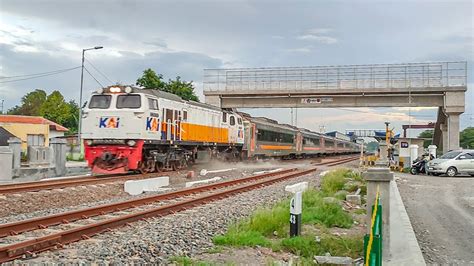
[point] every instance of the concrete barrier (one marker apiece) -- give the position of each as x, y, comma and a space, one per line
6, 162
205, 181
136, 187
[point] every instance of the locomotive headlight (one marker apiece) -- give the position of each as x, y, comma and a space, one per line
89, 142
131, 143
115, 89
128, 89
100, 91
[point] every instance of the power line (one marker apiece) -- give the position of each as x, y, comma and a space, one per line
94, 77
96, 69
41, 75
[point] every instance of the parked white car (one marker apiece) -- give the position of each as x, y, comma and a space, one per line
453, 163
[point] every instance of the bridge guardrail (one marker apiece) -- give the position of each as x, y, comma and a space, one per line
411, 75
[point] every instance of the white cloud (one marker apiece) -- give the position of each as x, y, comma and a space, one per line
317, 38
317, 31
306, 49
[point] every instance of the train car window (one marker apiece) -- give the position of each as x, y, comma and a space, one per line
329, 143
100, 102
271, 136
224, 118
232, 120
152, 104
340, 145
129, 101
239, 121
176, 115
185, 115
169, 115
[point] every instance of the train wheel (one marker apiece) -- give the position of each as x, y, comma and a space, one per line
159, 167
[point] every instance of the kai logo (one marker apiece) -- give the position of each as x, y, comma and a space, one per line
109, 122
152, 123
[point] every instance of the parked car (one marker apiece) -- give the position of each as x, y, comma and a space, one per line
453, 163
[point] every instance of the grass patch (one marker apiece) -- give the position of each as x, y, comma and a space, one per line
334, 181
186, 261
268, 227
307, 246
360, 211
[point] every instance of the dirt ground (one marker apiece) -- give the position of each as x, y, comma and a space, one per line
441, 210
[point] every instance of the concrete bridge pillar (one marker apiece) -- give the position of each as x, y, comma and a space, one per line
453, 131
444, 136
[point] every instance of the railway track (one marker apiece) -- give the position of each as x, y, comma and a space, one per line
68, 182
125, 213
336, 161
93, 180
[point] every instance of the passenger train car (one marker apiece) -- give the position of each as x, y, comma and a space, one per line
127, 128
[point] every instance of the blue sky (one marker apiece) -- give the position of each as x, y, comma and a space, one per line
184, 37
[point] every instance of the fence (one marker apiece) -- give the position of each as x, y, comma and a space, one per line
412, 75
373, 241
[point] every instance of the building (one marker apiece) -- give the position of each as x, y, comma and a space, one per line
339, 135
32, 130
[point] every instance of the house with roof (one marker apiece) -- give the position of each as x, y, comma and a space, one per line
32, 130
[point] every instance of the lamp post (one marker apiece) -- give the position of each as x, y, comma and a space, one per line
80, 94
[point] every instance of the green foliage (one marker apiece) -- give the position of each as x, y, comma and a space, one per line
182, 88
307, 246
239, 236
334, 181
52, 107
186, 261
30, 104
467, 138
428, 136
151, 80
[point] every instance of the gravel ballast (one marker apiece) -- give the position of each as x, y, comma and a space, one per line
185, 233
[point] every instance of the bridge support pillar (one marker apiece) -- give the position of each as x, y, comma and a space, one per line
453, 131
213, 100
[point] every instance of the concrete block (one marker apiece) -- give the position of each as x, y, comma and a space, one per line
6, 164
136, 187
267, 171
205, 181
354, 199
298, 187
205, 171
333, 260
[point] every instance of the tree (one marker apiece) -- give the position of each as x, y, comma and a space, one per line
428, 136
55, 108
30, 104
72, 120
182, 88
151, 80
467, 138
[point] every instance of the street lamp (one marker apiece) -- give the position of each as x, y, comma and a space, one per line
80, 95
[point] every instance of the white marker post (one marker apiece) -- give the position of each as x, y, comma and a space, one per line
296, 206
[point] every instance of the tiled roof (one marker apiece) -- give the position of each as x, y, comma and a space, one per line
23, 119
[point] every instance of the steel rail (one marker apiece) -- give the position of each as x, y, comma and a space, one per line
15, 228
333, 161
343, 161
66, 182
58, 240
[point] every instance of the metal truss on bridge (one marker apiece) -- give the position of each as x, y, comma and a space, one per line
379, 76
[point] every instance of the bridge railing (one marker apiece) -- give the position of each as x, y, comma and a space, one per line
412, 75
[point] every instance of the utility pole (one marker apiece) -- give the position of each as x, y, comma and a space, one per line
80, 94
2, 106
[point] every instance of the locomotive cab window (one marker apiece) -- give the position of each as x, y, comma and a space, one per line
185, 115
224, 118
239, 121
129, 101
100, 102
152, 104
232, 120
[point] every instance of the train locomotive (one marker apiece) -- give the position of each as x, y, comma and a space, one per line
125, 128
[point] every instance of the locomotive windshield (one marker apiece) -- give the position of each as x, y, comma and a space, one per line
100, 102
129, 101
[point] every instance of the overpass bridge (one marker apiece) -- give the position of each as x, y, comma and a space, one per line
433, 84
